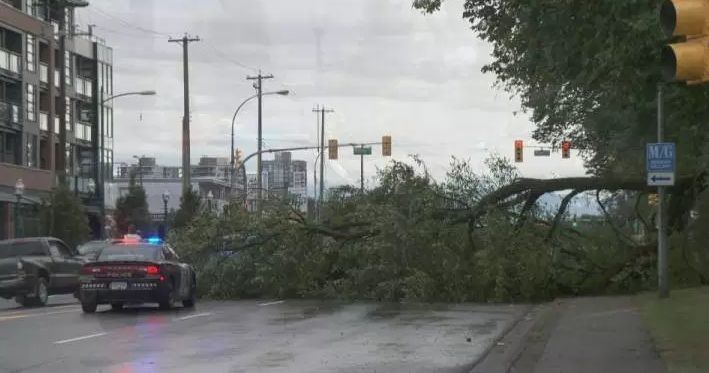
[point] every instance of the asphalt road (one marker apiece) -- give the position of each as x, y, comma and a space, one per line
250, 336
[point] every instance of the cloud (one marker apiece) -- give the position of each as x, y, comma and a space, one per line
382, 66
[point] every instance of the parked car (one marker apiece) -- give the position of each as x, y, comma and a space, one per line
137, 271
91, 250
31, 269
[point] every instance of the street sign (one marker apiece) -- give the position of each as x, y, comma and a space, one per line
660, 164
660, 178
363, 151
542, 153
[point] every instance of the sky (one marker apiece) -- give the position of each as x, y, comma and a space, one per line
382, 66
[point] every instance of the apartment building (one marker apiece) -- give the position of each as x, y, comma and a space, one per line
51, 110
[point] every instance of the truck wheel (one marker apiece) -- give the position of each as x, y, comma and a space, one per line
41, 292
88, 307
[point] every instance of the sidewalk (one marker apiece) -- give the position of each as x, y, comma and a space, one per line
579, 335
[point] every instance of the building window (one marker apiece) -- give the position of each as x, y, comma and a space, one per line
31, 151
31, 103
67, 114
30, 52
67, 67
8, 148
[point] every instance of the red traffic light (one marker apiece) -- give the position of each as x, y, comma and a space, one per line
519, 151
566, 149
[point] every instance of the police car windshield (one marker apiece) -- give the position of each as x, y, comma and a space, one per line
130, 252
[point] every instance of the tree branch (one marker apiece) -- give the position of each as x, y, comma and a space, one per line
560, 213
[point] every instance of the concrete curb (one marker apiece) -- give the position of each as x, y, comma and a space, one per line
517, 324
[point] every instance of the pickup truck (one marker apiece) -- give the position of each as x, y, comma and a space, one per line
31, 269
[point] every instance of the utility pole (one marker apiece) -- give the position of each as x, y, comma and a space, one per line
361, 169
259, 88
185, 40
322, 112
662, 265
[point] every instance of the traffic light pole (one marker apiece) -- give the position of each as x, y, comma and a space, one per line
663, 285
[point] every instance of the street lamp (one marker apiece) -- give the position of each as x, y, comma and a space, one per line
19, 191
284, 92
165, 199
210, 197
100, 174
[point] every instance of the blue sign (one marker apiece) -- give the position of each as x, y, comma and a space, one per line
660, 157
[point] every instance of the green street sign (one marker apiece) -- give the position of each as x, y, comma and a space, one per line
363, 151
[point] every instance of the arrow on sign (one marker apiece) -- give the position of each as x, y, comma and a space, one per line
655, 178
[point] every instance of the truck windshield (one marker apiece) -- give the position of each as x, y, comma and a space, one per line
10, 249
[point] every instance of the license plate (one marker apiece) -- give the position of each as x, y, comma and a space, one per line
119, 286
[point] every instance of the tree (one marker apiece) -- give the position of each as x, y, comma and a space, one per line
190, 205
63, 216
588, 71
132, 212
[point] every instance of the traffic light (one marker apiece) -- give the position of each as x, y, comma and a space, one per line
519, 151
332, 149
386, 146
653, 199
566, 149
687, 60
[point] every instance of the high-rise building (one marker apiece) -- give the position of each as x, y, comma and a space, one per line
286, 177
32, 105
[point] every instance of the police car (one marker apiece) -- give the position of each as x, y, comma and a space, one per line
134, 271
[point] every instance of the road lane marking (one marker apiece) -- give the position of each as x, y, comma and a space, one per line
79, 338
271, 303
195, 315
27, 312
26, 315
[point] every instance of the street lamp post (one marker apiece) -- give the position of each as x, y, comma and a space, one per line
284, 92
100, 175
19, 191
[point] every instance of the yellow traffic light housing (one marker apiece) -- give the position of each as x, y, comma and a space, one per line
686, 61
653, 199
386, 146
332, 149
519, 151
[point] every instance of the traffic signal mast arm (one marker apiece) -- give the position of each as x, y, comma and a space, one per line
241, 166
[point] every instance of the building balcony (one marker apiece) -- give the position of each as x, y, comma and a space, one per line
43, 73
10, 62
82, 131
10, 114
83, 87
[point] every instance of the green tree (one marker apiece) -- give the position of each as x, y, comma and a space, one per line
132, 211
63, 216
587, 71
190, 206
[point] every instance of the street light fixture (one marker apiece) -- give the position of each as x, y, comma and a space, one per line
283, 92
19, 192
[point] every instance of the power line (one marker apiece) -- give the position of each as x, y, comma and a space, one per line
129, 24
226, 58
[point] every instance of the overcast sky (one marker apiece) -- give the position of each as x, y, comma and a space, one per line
384, 68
